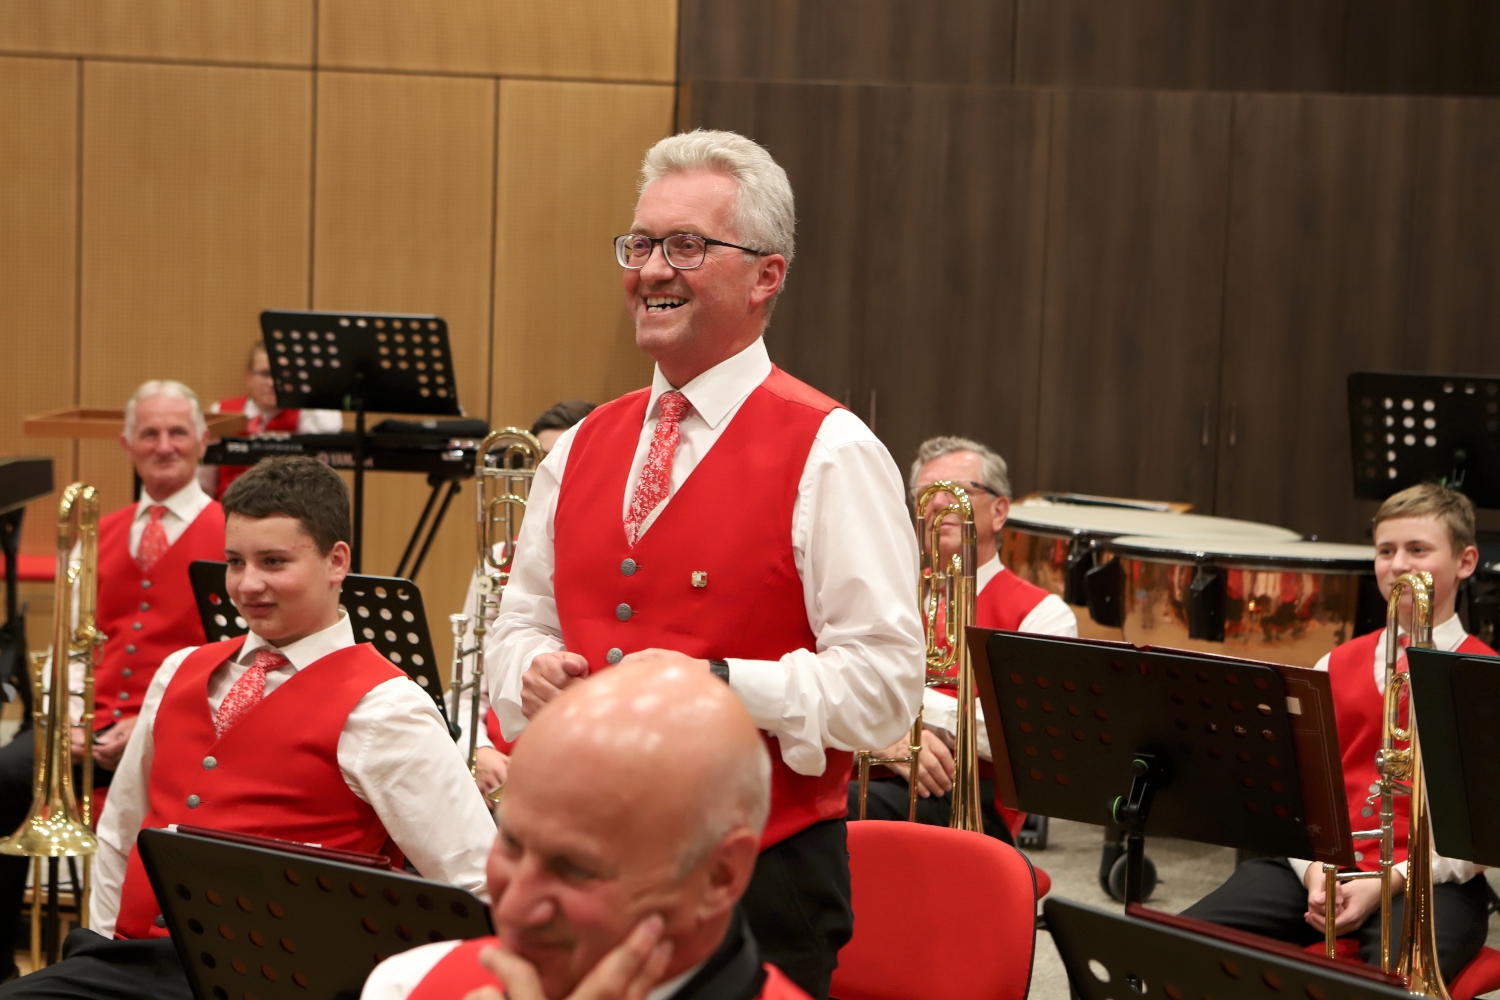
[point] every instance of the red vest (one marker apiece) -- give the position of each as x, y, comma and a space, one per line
285, 421
1004, 603
1358, 707
730, 527
275, 774
459, 972
145, 619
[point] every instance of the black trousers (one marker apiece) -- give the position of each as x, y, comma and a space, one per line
888, 798
96, 968
798, 904
1264, 896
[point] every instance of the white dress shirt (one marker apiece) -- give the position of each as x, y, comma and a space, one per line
394, 753
1448, 637
397, 976
1051, 616
854, 548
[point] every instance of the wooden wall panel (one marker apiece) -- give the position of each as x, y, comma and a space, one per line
570, 157
268, 32
854, 41
1423, 47
39, 228
1196, 44
1319, 253
403, 209
1135, 238
196, 186
572, 39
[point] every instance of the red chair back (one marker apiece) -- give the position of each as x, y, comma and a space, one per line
937, 913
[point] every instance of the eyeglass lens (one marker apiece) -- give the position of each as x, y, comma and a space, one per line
684, 250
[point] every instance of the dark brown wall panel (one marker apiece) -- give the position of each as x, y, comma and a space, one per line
1135, 238
856, 41
1423, 47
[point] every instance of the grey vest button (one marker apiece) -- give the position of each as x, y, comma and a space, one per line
209, 763
193, 801
145, 606
117, 713
1367, 812
124, 695
161, 921
614, 656
145, 583
1359, 855
127, 671
628, 567
130, 649
136, 626
1375, 788
623, 612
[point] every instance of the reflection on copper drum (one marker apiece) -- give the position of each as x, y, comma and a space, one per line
1059, 546
1286, 602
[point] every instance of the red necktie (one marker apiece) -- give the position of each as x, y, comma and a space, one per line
656, 474
248, 690
255, 424
154, 542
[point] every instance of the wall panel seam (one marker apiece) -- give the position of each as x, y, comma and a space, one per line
1041, 331
77, 258
489, 354
1218, 403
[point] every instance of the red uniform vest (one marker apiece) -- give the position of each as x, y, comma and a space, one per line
144, 619
1004, 603
275, 774
285, 421
1357, 707
730, 528
459, 972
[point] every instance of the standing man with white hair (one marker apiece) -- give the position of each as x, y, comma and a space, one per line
734, 520
146, 608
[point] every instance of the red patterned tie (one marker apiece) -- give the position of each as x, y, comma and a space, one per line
656, 474
154, 542
248, 690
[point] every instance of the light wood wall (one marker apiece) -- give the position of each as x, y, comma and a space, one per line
169, 168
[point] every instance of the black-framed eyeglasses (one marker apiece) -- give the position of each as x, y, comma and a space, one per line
968, 483
684, 251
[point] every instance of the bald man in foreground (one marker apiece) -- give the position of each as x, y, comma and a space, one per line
629, 830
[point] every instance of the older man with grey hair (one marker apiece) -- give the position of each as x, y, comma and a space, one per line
146, 608
738, 520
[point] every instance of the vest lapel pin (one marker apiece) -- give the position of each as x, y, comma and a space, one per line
700, 578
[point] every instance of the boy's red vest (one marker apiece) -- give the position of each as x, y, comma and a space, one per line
715, 574
459, 972
146, 618
1357, 707
275, 774
285, 422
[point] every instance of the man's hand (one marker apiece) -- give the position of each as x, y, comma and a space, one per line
666, 656
79, 738
490, 768
111, 745
934, 766
627, 973
1354, 903
547, 677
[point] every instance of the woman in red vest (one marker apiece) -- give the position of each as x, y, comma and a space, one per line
1422, 528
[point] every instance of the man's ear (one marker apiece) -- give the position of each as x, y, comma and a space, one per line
1002, 511
728, 870
339, 559
768, 279
1468, 562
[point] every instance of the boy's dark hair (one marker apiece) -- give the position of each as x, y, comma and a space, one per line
298, 487
562, 416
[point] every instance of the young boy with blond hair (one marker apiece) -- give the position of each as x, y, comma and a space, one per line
1427, 528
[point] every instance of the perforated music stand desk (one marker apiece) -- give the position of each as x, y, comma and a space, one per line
256, 921
1457, 701
1207, 748
386, 362
1110, 956
386, 612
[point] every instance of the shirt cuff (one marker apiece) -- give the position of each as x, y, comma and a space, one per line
1299, 868
761, 687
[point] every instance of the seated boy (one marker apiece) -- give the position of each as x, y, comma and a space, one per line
1422, 528
292, 731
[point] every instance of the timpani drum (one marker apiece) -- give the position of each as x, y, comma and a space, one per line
1056, 546
1285, 602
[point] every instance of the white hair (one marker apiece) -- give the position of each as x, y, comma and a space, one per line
993, 475
765, 217
740, 799
172, 390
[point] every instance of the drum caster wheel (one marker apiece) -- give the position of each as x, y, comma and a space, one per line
1033, 835
1116, 887
1114, 850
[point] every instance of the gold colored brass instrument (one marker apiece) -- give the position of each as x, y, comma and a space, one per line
60, 824
1417, 961
503, 470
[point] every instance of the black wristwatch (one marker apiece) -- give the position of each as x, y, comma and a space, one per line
720, 669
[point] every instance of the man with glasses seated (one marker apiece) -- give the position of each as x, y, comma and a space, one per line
735, 521
259, 408
1004, 601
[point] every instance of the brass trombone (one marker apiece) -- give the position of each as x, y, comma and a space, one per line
503, 469
60, 824
1417, 961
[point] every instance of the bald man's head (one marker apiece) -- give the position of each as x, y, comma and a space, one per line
642, 790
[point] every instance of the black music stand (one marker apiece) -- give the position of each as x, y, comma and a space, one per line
384, 611
1110, 957
289, 922
22, 481
1456, 698
387, 362
1208, 748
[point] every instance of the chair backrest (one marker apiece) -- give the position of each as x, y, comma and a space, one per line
937, 913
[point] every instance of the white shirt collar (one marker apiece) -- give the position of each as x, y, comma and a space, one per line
187, 503
1448, 637
305, 652
716, 392
663, 990
987, 572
